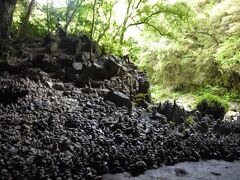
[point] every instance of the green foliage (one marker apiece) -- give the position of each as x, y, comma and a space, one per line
200, 48
228, 55
159, 93
213, 101
76, 18
228, 95
110, 48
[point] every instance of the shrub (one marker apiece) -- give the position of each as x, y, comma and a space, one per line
212, 105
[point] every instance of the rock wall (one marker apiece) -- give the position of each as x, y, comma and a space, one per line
68, 61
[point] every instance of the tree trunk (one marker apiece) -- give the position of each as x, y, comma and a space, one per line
6, 14
70, 15
106, 28
92, 29
124, 25
27, 17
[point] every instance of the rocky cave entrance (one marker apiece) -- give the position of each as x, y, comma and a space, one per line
11, 96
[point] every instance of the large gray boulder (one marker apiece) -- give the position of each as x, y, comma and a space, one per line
78, 66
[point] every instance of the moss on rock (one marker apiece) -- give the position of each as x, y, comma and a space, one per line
212, 105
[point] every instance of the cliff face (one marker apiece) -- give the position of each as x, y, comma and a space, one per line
63, 116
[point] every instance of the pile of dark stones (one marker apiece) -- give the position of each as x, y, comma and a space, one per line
64, 115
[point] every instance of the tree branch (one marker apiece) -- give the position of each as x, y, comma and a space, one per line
210, 35
27, 16
69, 20
92, 29
101, 35
145, 20
154, 27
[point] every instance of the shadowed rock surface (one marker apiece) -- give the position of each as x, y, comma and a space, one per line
58, 121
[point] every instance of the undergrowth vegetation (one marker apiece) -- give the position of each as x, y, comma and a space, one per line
212, 101
202, 58
190, 97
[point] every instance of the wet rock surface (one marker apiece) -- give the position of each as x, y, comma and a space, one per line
211, 169
59, 122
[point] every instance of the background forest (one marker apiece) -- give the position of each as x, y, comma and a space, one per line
188, 48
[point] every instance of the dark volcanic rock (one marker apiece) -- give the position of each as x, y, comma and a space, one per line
64, 60
217, 110
78, 44
46, 63
65, 124
95, 71
52, 47
34, 74
69, 63
76, 134
144, 84
118, 98
172, 111
138, 168
105, 68
112, 67
58, 86
83, 57
158, 116
180, 172
71, 45
12, 65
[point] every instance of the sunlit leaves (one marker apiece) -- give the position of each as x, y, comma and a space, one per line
228, 55
205, 48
